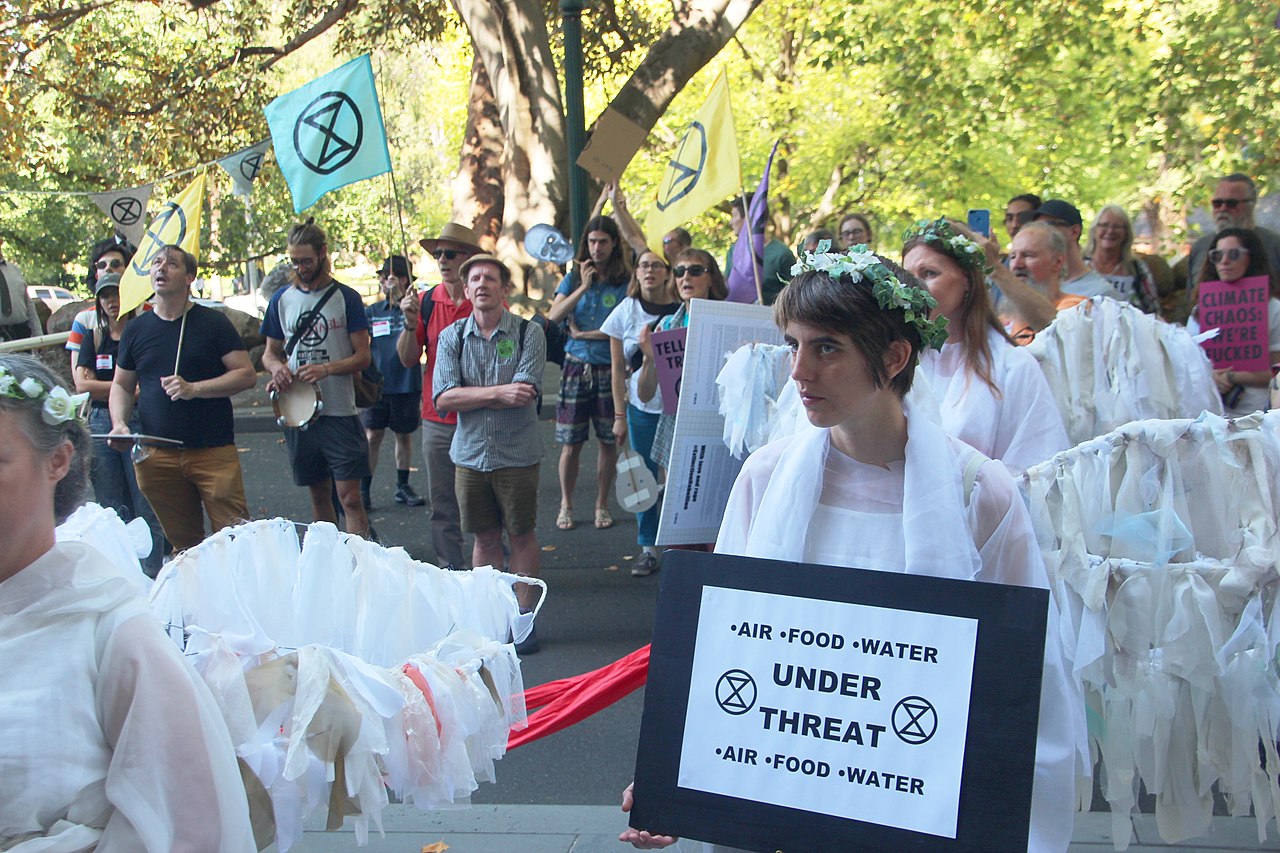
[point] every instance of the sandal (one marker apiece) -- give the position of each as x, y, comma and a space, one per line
603, 520
565, 519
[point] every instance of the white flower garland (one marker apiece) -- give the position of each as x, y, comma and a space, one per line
59, 405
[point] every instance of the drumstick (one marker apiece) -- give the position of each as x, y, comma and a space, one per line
182, 330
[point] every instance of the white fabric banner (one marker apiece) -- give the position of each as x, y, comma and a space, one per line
127, 209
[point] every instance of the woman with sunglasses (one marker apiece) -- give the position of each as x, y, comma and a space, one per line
585, 298
105, 257
115, 484
1109, 250
991, 392
696, 275
871, 482
649, 298
1237, 253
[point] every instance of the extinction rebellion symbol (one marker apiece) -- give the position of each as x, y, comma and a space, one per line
126, 210
685, 168
736, 692
160, 234
332, 124
251, 165
914, 720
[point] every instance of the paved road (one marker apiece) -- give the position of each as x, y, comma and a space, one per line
595, 613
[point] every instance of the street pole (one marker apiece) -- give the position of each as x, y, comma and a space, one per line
575, 121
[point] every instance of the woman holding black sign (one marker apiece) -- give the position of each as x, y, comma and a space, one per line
874, 484
1237, 253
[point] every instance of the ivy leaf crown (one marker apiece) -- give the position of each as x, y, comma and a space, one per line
860, 264
942, 235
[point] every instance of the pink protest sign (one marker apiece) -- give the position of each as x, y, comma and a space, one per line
1239, 310
668, 358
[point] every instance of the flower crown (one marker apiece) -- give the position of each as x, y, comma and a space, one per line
59, 406
939, 231
860, 264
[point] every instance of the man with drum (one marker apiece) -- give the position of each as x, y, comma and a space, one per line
183, 361
425, 317
317, 339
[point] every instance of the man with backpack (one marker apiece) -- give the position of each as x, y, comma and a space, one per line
489, 370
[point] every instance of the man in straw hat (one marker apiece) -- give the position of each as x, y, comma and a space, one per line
489, 369
188, 360
425, 316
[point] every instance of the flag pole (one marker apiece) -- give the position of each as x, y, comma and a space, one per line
751, 245
395, 194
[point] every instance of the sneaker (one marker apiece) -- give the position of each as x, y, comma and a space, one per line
407, 496
645, 565
529, 645
366, 500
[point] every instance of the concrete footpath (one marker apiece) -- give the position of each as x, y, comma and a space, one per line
594, 829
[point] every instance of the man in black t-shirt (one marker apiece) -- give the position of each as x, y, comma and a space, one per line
187, 361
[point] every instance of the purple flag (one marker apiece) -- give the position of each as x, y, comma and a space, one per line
748, 252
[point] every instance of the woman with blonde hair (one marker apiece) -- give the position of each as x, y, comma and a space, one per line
1109, 250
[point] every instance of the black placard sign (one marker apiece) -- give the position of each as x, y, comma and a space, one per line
800, 708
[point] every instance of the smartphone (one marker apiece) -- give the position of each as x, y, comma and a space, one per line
980, 221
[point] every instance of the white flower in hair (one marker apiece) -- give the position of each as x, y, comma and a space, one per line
31, 387
60, 406
6, 382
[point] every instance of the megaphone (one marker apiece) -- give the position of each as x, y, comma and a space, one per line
545, 243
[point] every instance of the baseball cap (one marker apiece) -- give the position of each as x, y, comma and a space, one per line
111, 279
1059, 209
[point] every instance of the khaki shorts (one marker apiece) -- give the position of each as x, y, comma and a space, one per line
506, 498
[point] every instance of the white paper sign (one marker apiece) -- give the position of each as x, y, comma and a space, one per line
843, 709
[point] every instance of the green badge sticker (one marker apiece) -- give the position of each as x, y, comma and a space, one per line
609, 300
506, 348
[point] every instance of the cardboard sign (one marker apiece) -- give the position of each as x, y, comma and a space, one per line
668, 359
809, 708
1239, 310
615, 139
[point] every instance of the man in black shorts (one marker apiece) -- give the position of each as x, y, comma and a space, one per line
317, 333
401, 386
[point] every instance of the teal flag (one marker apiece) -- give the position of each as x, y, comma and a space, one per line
329, 133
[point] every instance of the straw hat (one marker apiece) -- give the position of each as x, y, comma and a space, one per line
452, 232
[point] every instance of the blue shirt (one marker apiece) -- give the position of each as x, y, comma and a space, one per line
386, 321
589, 314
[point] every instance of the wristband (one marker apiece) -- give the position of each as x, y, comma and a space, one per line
619, 417
409, 328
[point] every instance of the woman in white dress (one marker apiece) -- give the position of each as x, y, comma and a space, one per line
649, 299
875, 484
111, 741
991, 392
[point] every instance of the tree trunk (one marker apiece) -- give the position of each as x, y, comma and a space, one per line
477, 186
699, 29
510, 39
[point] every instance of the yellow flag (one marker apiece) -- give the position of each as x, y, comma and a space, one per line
702, 170
177, 224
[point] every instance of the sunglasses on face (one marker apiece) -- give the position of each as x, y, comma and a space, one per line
694, 270
110, 264
1217, 256
1230, 203
447, 254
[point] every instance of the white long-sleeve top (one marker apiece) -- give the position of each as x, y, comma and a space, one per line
109, 741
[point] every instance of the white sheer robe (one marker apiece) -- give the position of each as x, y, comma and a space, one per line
111, 742
1021, 427
906, 517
